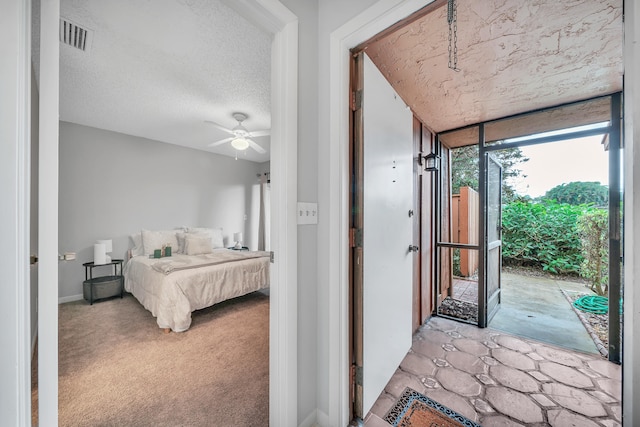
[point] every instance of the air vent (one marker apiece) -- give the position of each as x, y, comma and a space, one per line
74, 35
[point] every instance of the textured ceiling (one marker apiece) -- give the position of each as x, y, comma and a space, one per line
158, 69
514, 56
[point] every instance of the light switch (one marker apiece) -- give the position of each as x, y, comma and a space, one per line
307, 213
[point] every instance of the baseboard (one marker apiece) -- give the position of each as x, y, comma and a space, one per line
71, 298
323, 419
311, 420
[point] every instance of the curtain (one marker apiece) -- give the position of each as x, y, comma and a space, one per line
264, 222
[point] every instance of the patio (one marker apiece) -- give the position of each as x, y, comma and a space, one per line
536, 308
497, 379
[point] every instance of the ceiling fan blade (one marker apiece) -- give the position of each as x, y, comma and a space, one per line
264, 132
256, 147
220, 127
222, 141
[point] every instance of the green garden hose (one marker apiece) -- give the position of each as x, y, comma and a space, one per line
592, 304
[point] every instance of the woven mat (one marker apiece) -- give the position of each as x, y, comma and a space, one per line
416, 410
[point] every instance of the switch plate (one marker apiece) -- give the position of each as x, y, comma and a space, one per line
307, 213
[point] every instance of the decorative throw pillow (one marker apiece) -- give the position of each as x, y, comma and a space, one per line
152, 240
197, 245
217, 240
180, 235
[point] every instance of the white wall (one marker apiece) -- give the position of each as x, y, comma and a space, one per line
332, 14
113, 185
307, 13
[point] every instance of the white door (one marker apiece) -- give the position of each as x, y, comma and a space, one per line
387, 232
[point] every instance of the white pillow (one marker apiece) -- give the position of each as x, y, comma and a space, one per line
138, 249
217, 240
152, 240
180, 235
195, 244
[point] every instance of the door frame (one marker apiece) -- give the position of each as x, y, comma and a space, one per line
334, 171
614, 130
15, 134
274, 17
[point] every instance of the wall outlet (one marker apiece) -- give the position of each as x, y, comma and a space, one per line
307, 213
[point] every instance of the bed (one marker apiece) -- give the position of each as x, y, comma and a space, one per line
173, 287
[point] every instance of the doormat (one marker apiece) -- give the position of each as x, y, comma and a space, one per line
416, 410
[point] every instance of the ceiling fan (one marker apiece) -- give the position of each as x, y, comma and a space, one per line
241, 137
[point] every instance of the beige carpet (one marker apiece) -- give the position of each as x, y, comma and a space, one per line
117, 368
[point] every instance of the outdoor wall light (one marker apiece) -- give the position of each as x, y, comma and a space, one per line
431, 162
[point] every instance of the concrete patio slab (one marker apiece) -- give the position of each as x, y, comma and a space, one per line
534, 307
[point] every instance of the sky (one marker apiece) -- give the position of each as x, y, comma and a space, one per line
555, 163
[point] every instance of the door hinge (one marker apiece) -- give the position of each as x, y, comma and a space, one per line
272, 257
355, 237
356, 100
353, 381
356, 375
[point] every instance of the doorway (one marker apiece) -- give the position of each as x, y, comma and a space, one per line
357, 31
283, 310
504, 138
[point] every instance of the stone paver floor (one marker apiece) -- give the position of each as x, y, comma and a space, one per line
497, 379
465, 290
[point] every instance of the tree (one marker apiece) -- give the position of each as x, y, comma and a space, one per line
578, 193
464, 169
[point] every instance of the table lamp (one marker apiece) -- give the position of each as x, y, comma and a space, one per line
237, 237
100, 250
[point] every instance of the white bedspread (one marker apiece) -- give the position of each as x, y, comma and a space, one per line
171, 288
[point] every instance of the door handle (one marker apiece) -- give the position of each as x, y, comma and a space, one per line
33, 259
413, 248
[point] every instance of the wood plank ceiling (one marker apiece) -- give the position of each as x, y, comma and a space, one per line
513, 57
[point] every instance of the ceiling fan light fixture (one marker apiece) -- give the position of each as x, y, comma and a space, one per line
240, 143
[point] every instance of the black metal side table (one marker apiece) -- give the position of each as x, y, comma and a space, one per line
244, 248
95, 288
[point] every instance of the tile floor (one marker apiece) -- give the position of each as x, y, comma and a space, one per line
497, 379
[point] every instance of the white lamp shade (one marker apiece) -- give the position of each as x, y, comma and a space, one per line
240, 144
237, 237
108, 245
99, 254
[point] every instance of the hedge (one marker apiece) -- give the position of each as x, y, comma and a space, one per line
543, 234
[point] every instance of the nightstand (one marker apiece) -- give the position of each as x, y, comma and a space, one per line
244, 248
95, 288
